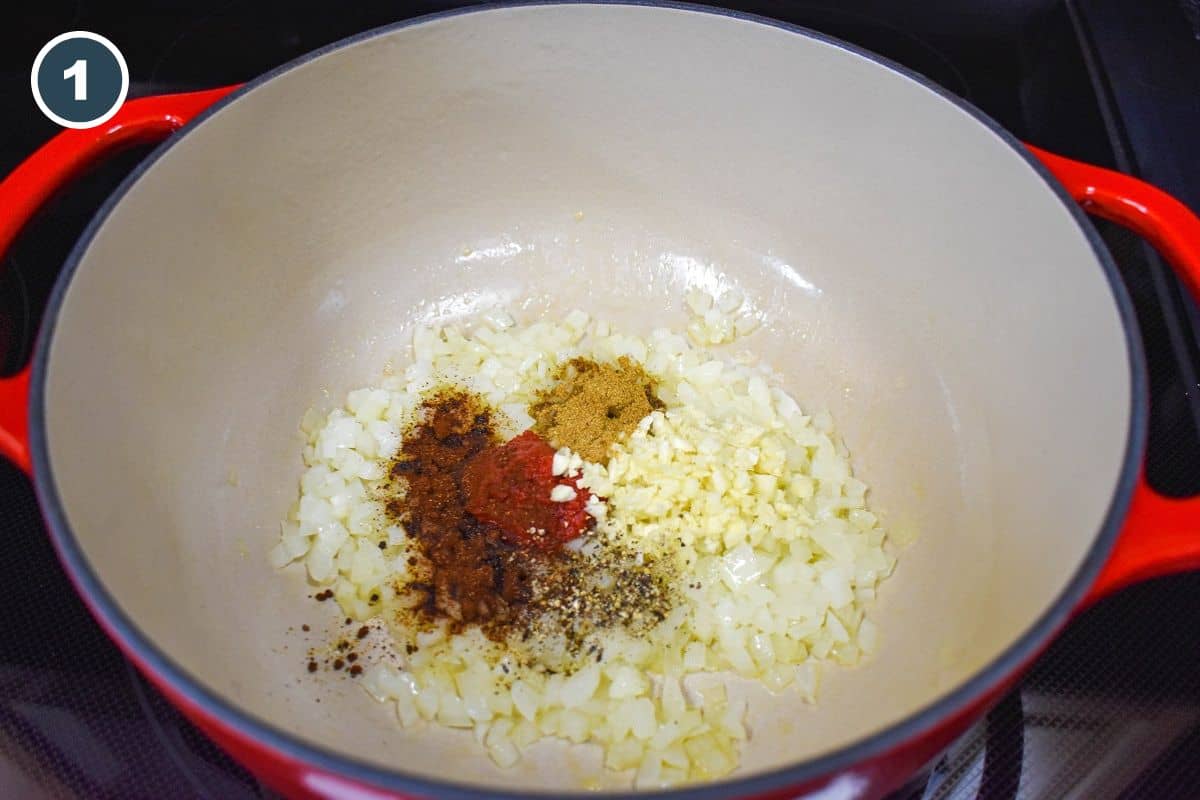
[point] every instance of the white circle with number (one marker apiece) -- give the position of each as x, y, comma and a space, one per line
79, 79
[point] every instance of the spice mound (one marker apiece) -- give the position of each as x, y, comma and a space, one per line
592, 405
488, 521
469, 574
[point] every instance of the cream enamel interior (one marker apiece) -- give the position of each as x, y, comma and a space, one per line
921, 282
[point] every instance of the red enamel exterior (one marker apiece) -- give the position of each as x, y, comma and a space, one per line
14, 418
26, 188
1160, 534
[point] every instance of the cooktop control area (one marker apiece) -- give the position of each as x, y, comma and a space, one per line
1112, 710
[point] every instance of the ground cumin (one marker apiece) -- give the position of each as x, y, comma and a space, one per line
594, 404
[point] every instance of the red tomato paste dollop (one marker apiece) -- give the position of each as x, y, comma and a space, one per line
509, 486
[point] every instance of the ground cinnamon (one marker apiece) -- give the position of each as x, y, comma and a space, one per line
594, 404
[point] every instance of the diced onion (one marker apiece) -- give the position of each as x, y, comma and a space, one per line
755, 497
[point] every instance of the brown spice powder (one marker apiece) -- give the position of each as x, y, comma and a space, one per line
464, 571
594, 404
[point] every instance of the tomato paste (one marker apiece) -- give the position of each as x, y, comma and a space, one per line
509, 486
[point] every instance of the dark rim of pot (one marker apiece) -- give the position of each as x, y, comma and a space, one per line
914, 726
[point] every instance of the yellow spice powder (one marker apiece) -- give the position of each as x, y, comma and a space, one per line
594, 404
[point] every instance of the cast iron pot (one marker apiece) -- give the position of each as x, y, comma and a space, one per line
927, 278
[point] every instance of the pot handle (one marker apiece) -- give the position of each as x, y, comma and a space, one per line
1161, 534
64, 157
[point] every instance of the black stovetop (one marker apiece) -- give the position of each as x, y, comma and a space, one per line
1112, 710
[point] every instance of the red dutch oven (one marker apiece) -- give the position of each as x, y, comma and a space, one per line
927, 278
